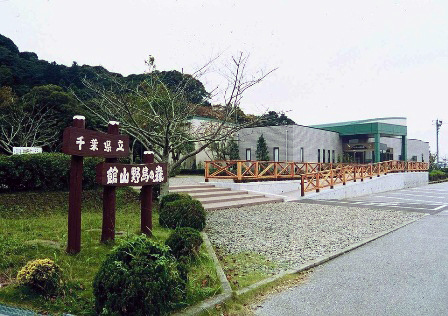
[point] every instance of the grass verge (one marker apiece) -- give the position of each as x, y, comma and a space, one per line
244, 305
34, 225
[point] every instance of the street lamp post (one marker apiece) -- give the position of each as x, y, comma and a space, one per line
438, 124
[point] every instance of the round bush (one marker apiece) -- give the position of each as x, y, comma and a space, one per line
140, 277
182, 213
184, 242
42, 276
171, 197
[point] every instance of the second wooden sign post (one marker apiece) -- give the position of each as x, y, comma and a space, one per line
145, 175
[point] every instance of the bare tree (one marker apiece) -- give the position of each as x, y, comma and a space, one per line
29, 126
159, 117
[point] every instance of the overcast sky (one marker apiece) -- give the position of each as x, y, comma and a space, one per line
336, 60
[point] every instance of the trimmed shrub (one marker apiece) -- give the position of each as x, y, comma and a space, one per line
182, 213
42, 276
171, 197
42, 172
184, 242
435, 175
140, 277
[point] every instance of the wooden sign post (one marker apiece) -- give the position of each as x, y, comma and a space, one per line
79, 142
144, 175
108, 229
74, 197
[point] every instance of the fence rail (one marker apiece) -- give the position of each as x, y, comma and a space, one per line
313, 175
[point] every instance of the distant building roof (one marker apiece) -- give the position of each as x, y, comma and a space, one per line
393, 126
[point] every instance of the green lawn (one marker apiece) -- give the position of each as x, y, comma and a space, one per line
34, 225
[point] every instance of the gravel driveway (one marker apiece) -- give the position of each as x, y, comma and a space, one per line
290, 234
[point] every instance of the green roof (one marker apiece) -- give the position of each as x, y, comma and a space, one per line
369, 127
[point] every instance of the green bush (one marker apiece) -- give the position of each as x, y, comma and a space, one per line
171, 197
42, 276
184, 242
435, 175
182, 213
42, 172
140, 277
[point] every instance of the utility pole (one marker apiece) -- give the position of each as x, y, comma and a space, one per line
438, 124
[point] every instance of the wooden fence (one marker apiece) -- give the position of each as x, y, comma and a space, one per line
247, 170
313, 175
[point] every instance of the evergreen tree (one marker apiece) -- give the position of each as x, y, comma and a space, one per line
262, 149
234, 151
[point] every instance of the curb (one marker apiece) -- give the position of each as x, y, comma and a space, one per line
438, 181
217, 299
320, 261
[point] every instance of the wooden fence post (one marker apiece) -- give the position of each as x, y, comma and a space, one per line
344, 179
108, 228
238, 170
332, 179
302, 185
317, 182
207, 171
74, 206
146, 200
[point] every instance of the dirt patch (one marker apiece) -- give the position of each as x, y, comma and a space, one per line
4, 280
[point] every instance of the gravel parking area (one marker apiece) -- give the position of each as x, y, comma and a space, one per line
291, 233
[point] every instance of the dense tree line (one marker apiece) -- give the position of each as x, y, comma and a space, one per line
38, 99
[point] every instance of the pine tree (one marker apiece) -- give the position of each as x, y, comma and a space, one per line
234, 151
262, 149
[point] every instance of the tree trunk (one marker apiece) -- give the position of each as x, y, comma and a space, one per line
164, 186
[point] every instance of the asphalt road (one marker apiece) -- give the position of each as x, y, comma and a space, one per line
429, 199
403, 273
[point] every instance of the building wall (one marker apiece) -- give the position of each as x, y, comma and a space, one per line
419, 149
289, 140
312, 139
415, 148
394, 143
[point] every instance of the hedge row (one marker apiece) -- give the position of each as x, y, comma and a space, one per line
436, 175
42, 172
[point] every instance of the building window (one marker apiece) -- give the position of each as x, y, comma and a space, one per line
332, 156
423, 159
302, 155
276, 154
318, 155
248, 155
329, 156
323, 155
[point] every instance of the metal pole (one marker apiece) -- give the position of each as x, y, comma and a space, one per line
438, 124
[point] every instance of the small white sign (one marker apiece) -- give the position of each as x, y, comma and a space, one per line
26, 150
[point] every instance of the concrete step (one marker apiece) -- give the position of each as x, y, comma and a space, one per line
233, 204
199, 195
198, 190
191, 186
227, 198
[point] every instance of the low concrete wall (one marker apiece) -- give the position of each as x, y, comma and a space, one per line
290, 190
265, 187
390, 182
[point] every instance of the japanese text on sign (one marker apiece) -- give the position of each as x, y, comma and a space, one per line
123, 175
84, 142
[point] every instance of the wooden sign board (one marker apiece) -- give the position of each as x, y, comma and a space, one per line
83, 142
115, 174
